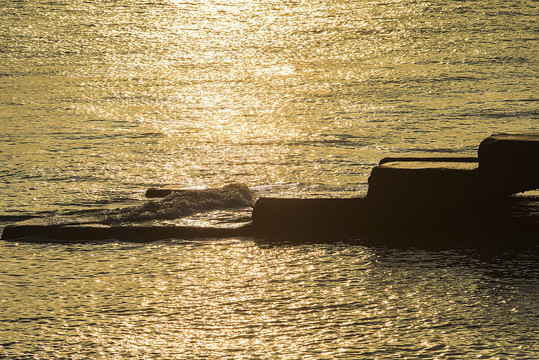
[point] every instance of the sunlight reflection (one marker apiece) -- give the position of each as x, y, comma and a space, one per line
103, 99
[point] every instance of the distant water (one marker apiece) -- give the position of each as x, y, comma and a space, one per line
101, 100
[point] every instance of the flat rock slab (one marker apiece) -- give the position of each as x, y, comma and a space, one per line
364, 217
455, 166
70, 231
422, 184
509, 163
308, 217
435, 159
327, 219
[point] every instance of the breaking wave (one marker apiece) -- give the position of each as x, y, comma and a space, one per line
186, 203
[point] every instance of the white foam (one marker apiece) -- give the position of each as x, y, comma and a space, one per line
186, 203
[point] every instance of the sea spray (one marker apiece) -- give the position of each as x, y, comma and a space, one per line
185, 203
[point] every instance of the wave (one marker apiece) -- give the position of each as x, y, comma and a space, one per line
185, 203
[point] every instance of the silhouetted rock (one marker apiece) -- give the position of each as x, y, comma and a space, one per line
310, 216
429, 196
421, 185
509, 163
160, 193
69, 231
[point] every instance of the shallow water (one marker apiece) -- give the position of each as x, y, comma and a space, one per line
241, 299
102, 100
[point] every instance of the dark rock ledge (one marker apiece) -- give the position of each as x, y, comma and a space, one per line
42, 231
406, 196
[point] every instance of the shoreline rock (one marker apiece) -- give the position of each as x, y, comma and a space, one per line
405, 196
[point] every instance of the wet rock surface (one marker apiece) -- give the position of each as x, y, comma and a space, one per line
71, 231
429, 196
509, 163
417, 184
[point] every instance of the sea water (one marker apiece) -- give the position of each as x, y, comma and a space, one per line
101, 100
